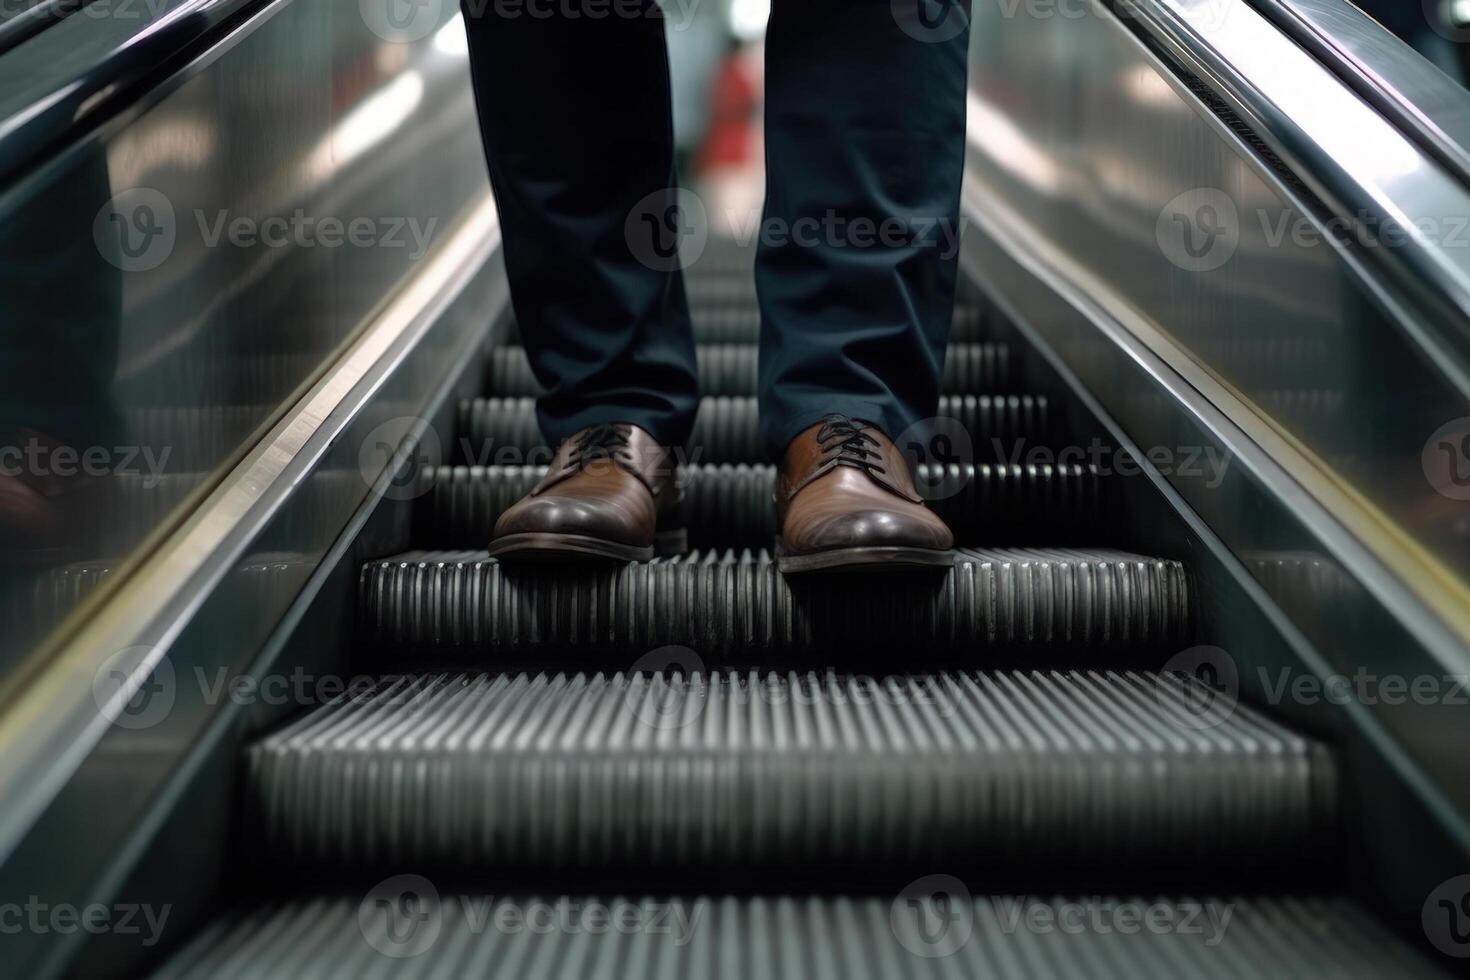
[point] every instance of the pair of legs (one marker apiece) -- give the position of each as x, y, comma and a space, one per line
855, 271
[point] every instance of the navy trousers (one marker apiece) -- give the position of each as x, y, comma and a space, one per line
855, 271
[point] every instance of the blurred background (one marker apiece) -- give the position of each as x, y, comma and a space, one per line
716, 64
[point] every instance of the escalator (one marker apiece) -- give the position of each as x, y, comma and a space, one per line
697, 768
276, 709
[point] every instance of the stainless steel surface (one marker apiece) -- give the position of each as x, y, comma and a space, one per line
174, 280
84, 69
1397, 80
1385, 202
21, 20
1241, 522
1098, 156
327, 350
1162, 237
232, 623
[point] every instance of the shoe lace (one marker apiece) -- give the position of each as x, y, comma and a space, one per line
608, 440
847, 442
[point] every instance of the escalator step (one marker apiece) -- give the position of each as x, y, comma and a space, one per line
966, 768
418, 931
721, 287
728, 369
730, 606
740, 324
720, 322
725, 429
729, 505
722, 248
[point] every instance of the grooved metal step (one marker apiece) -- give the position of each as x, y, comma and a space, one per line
409, 928
728, 286
729, 505
730, 369
725, 430
721, 323
718, 255
731, 606
969, 769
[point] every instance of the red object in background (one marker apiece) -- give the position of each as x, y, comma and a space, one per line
735, 98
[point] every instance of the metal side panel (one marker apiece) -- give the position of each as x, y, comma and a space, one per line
1096, 170
1102, 159
737, 606
1075, 770
21, 20
306, 110
1403, 84
408, 928
92, 745
174, 279
84, 69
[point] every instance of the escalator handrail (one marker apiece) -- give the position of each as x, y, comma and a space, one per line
1334, 166
83, 70
19, 26
1424, 102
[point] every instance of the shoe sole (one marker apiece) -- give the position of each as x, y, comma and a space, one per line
570, 548
868, 559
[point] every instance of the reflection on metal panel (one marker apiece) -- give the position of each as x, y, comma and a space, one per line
170, 283
1148, 237
1429, 104
1122, 178
21, 20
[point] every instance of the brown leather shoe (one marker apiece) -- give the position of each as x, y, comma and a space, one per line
612, 493
845, 499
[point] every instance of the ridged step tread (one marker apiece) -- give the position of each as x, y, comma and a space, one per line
725, 430
723, 321
729, 505
411, 929
728, 605
1017, 768
726, 285
719, 252
730, 369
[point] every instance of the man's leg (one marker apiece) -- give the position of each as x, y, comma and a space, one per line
575, 115
865, 135
574, 109
865, 124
